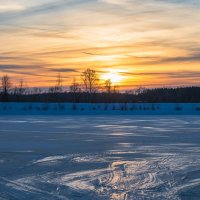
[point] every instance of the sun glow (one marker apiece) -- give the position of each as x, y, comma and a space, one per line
114, 77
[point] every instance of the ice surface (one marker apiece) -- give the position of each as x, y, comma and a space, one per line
100, 157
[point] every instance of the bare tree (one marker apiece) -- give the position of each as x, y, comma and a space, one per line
108, 86
21, 88
74, 87
115, 89
58, 86
90, 80
6, 84
75, 90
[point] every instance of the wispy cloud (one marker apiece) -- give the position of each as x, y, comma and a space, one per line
48, 36
9, 7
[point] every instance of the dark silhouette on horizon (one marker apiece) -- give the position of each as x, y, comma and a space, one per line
90, 91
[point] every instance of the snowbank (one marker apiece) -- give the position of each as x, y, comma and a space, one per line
100, 109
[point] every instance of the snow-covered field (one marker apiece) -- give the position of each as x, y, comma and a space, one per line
100, 157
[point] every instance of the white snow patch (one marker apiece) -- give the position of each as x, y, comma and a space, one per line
50, 159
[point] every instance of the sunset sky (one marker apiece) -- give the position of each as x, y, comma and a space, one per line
151, 43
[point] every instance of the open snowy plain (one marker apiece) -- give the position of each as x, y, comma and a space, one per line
100, 157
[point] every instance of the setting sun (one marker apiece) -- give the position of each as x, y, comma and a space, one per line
114, 77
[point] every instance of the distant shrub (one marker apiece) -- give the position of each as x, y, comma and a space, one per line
45, 107
153, 107
105, 107
178, 107
123, 107
61, 107
198, 108
38, 108
55, 107
145, 108
134, 107
30, 107
5, 108
74, 107
24, 108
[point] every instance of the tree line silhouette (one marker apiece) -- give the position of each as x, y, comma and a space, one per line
90, 91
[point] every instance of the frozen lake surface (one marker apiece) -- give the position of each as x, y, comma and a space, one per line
99, 157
